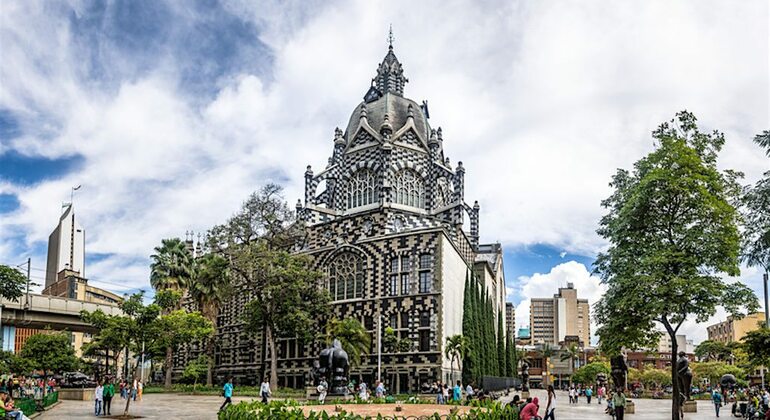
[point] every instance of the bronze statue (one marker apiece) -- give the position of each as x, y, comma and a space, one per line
332, 363
684, 376
601, 379
524, 376
619, 371
727, 382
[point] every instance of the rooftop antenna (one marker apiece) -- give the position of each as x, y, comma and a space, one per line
390, 37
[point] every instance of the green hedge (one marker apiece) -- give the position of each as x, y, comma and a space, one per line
26, 405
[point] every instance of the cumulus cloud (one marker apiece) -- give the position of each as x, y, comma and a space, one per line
543, 285
179, 119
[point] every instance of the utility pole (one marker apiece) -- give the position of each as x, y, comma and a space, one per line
29, 267
141, 376
767, 312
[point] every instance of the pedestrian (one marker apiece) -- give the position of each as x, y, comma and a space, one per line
227, 392
98, 397
264, 390
469, 392
530, 410
123, 389
380, 390
716, 397
363, 394
322, 388
619, 402
571, 394
550, 407
133, 389
456, 392
439, 393
445, 392
139, 389
600, 394
589, 394
107, 394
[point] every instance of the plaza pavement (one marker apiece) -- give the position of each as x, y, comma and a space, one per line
176, 406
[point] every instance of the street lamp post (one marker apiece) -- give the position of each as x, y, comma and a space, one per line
379, 348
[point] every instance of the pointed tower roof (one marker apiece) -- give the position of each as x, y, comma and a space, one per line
390, 75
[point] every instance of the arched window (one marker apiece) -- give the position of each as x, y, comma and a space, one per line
409, 188
346, 277
361, 188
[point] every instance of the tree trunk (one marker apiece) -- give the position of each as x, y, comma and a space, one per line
675, 405
169, 365
273, 358
210, 367
452, 369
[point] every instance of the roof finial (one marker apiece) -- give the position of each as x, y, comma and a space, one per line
390, 37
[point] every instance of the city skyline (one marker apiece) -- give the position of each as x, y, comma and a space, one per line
160, 114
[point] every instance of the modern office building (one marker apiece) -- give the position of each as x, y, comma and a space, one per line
735, 329
553, 319
384, 220
510, 319
66, 247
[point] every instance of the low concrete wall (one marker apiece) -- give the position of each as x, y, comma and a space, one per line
76, 394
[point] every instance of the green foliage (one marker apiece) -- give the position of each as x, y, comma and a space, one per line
50, 352
195, 371
391, 342
713, 371
501, 353
756, 344
12, 283
354, 338
587, 374
455, 349
672, 230
713, 350
656, 378
172, 265
756, 214
484, 353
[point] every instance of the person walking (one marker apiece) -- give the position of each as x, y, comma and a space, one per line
589, 394
380, 390
469, 392
264, 390
572, 395
139, 389
716, 397
439, 393
550, 407
107, 394
323, 388
227, 392
600, 394
98, 397
445, 391
457, 392
619, 402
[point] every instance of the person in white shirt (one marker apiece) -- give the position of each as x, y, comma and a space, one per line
264, 390
469, 392
98, 398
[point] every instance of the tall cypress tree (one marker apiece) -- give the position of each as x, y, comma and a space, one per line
468, 327
500, 346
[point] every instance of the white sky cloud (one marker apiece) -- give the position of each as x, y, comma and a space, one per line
542, 101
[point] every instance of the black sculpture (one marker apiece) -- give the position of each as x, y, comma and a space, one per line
601, 379
684, 376
524, 376
619, 371
727, 382
332, 363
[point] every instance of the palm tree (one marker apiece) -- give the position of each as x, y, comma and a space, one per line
570, 353
171, 269
546, 352
172, 265
456, 346
210, 288
353, 337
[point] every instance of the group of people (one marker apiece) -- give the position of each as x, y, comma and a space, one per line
529, 409
575, 392
7, 407
103, 394
757, 402
442, 391
26, 387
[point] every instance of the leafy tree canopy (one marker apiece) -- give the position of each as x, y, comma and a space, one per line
50, 352
587, 374
353, 337
12, 283
756, 343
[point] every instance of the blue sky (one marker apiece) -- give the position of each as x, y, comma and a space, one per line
170, 112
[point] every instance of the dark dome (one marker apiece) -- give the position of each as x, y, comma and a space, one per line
397, 109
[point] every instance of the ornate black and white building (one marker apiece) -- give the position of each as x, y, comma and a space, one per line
384, 221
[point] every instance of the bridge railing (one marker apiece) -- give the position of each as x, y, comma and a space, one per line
55, 304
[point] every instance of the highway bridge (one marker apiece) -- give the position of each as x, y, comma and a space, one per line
56, 313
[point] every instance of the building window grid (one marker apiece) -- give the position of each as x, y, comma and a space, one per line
425, 274
361, 188
409, 188
346, 277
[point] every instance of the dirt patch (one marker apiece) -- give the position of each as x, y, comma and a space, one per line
122, 417
418, 410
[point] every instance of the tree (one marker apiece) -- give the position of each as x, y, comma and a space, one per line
196, 370
178, 327
756, 215
673, 233
501, 353
210, 288
393, 344
286, 297
756, 343
656, 378
172, 265
49, 352
12, 283
353, 337
570, 353
546, 351
710, 350
510, 358
587, 374
455, 349
713, 371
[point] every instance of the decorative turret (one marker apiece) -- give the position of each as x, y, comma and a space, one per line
309, 189
390, 75
475, 225
386, 129
460, 181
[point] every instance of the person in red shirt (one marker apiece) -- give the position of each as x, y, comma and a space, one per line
530, 410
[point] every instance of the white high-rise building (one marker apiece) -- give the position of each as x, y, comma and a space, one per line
66, 247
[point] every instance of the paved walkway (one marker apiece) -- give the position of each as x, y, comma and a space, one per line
646, 409
174, 406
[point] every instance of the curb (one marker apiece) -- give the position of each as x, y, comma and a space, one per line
40, 413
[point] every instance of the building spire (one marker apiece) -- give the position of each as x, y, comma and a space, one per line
390, 75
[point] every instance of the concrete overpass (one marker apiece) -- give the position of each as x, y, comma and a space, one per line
44, 311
